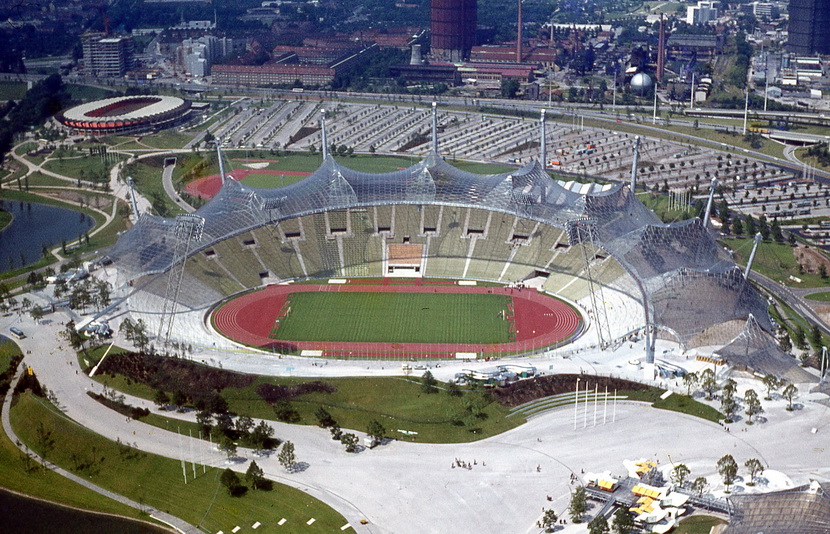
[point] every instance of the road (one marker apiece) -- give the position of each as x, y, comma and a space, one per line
410, 487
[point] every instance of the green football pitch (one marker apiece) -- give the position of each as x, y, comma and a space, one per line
365, 317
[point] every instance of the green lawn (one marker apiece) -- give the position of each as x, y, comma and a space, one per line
698, 524
684, 404
270, 181
823, 296
157, 481
167, 139
775, 260
38, 179
12, 90
87, 92
8, 349
395, 317
90, 168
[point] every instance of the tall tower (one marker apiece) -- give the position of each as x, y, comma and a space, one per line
807, 30
661, 50
519, 35
452, 28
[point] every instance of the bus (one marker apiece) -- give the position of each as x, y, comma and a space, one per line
16, 332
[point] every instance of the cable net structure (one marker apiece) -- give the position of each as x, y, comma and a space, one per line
800, 510
687, 285
754, 350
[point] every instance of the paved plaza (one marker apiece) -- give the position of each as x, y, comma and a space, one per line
412, 487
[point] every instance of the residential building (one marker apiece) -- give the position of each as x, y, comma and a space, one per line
107, 56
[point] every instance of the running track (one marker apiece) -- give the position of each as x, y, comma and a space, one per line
540, 321
208, 186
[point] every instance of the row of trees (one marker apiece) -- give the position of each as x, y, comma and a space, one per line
707, 380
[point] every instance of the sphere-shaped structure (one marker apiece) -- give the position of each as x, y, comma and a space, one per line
641, 82
126, 115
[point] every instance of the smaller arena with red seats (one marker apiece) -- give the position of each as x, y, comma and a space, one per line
126, 115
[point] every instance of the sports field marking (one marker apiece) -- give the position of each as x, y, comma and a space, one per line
367, 317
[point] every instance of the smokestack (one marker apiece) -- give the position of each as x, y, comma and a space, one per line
543, 142
519, 36
661, 51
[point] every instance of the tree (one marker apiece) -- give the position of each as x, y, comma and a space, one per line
549, 520
755, 467
623, 522
790, 392
179, 398
231, 481
785, 344
737, 226
708, 382
287, 456
772, 383
598, 525
690, 380
243, 425
205, 420
161, 399
815, 337
350, 441
799, 338
256, 477
699, 485
509, 87
428, 383
227, 446
453, 390
260, 435
728, 405
680, 474
753, 404
579, 503
285, 412
728, 470
375, 431
324, 418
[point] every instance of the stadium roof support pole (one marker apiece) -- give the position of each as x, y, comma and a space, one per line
634, 164
712, 185
323, 138
132, 197
758, 239
543, 148
221, 162
435, 127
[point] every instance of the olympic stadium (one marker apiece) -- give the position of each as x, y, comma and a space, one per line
125, 115
595, 246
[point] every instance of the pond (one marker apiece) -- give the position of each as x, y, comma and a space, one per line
34, 227
24, 515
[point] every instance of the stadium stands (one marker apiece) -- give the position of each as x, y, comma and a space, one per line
310, 230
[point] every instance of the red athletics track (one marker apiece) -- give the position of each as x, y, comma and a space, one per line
540, 321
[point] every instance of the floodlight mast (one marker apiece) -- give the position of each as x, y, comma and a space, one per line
635, 163
323, 137
221, 163
712, 185
435, 127
757, 240
132, 197
543, 150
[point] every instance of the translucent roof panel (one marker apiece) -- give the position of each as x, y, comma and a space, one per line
685, 276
